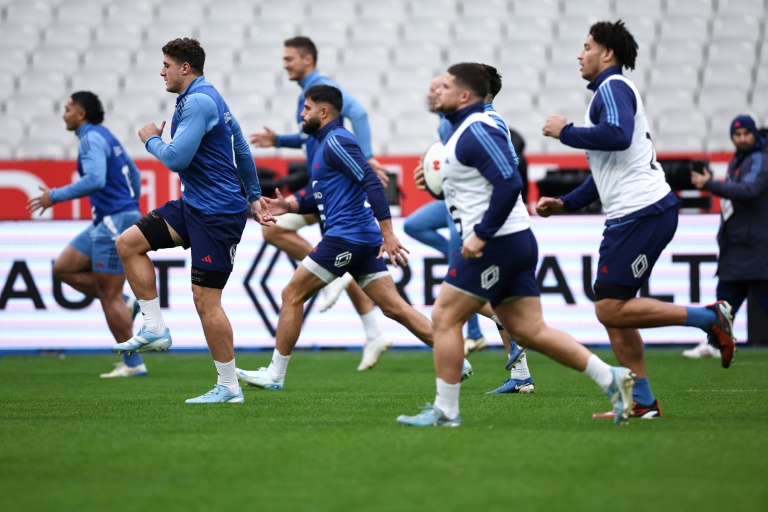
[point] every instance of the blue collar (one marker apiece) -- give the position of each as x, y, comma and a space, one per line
309, 80
604, 74
83, 128
488, 105
458, 117
194, 83
322, 132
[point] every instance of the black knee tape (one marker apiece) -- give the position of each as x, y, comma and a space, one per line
209, 278
605, 290
155, 230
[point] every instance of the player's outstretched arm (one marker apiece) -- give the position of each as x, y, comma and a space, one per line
265, 139
549, 206
391, 246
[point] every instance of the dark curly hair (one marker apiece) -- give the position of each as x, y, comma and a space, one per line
616, 37
472, 76
495, 83
94, 110
186, 50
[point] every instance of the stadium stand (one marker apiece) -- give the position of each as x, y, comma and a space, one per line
700, 62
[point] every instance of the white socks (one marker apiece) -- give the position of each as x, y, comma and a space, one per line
278, 366
447, 399
371, 325
153, 317
520, 370
227, 376
599, 371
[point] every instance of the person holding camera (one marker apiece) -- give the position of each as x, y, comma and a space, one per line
743, 234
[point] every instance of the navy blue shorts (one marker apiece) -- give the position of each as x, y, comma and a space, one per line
506, 270
212, 238
630, 249
333, 257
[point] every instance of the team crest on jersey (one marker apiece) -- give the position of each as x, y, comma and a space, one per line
232, 251
639, 266
489, 277
343, 259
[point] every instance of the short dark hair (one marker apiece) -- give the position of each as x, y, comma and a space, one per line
326, 94
94, 110
615, 36
473, 76
186, 50
495, 82
304, 45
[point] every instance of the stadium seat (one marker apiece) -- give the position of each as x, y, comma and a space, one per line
602, 9
715, 99
52, 128
131, 103
70, 35
690, 8
660, 98
678, 143
478, 52
680, 120
412, 79
39, 148
104, 83
281, 11
557, 99
681, 27
80, 12
63, 59
434, 10
159, 33
249, 81
731, 7
272, 34
367, 55
236, 11
732, 51
138, 11
14, 62
529, 29
375, 31
219, 58
628, 11
28, 105
674, 53
718, 142
742, 27
409, 55
189, 12
429, 31
359, 79
222, 34
114, 33
511, 57
549, 9
332, 11
393, 104
45, 83
485, 30
409, 144
485, 9
325, 32
113, 58
685, 76
383, 11
11, 130
24, 35
564, 77
38, 14
6, 150
732, 74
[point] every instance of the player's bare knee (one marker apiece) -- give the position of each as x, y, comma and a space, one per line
609, 313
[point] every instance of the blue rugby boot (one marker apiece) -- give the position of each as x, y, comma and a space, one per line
515, 354
522, 386
217, 395
620, 394
466, 370
430, 416
144, 341
260, 378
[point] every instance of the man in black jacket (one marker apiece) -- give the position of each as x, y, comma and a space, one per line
743, 235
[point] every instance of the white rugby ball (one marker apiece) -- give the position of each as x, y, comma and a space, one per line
432, 163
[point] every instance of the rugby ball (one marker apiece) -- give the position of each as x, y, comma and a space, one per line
432, 163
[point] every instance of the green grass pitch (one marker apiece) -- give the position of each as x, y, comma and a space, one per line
329, 441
